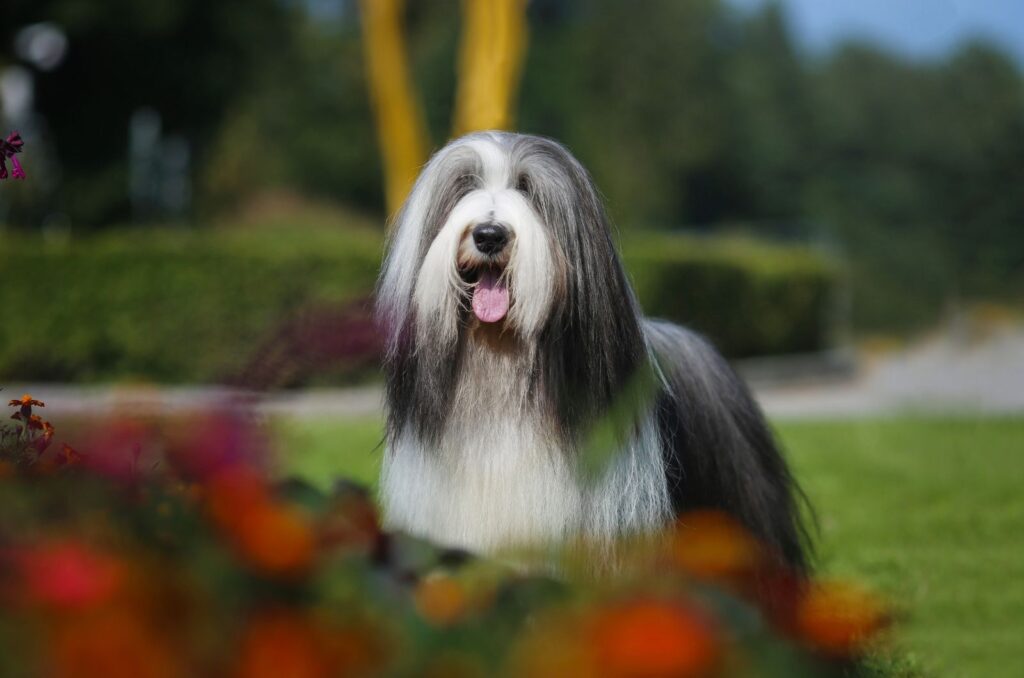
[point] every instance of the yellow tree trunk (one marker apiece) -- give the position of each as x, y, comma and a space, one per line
400, 126
490, 63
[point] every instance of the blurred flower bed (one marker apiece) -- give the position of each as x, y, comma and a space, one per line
166, 548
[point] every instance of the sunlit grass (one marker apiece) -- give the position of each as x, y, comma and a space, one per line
931, 512
928, 510
320, 451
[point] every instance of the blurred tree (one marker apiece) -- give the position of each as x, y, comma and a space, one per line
186, 59
914, 166
977, 178
773, 140
400, 126
490, 57
688, 113
304, 126
642, 102
490, 60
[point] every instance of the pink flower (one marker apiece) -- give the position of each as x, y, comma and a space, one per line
8, 148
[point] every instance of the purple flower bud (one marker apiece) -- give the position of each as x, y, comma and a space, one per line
8, 148
14, 142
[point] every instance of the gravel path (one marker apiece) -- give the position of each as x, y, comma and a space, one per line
950, 374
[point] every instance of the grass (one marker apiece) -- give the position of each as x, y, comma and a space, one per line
319, 451
929, 511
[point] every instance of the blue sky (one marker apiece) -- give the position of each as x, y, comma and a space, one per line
917, 28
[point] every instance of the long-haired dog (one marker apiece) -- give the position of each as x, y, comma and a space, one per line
513, 336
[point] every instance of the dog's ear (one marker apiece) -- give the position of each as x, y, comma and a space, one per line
593, 341
419, 383
451, 173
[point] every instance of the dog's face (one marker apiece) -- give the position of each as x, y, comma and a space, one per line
472, 246
507, 231
499, 229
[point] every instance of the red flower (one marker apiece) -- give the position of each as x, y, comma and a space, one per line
68, 575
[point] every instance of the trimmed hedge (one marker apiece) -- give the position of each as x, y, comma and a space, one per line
169, 306
750, 298
197, 306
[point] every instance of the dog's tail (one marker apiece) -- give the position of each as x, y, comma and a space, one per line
719, 451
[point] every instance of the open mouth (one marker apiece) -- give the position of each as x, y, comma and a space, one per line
491, 297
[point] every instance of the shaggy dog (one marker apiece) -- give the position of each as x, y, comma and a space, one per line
517, 355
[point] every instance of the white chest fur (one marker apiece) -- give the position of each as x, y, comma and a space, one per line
496, 486
498, 477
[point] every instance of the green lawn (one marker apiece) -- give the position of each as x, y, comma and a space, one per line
929, 511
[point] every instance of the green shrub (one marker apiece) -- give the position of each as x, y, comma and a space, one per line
176, 305
749, 298
167, 305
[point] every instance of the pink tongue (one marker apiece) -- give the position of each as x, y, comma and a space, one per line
490, 298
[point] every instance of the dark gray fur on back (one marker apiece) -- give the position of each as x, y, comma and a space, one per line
719, 451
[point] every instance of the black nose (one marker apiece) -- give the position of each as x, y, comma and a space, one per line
490, 238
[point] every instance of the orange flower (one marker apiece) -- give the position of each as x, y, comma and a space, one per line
554, 647
272, 536
286, 642
653, 638
26, 401
712, 545
440, 600
113, 643
232, 493
278, 540
282, 644
68, 455
840, 619
42, 442
358, 648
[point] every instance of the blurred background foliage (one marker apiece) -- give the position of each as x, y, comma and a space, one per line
692, 116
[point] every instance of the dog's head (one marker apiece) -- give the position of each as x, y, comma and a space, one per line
499, 228
507, 231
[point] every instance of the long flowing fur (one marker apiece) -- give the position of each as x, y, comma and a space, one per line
490, 426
